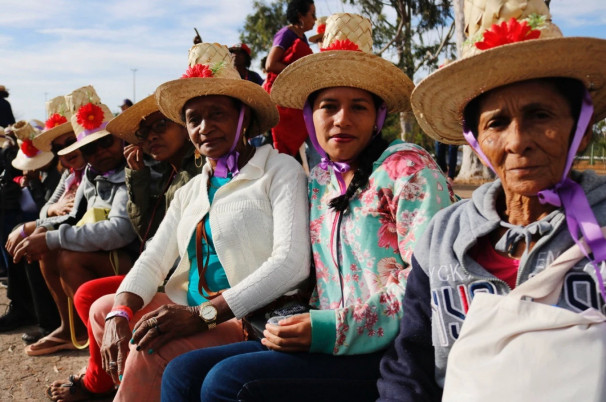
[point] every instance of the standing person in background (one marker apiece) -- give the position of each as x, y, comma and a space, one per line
6, 112
242, 59
290, 44
126, 104
447, 165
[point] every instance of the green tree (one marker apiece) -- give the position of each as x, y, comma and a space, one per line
262, 24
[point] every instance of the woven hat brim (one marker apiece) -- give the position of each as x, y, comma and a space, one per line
127, 123
172, 96
342, 68
22, 162
439, 100
43, 141
86, 140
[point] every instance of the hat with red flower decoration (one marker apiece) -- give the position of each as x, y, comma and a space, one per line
508, 41
28, 157
56, 124
345, 60
211, 72
89, 117
320, 29
127, 123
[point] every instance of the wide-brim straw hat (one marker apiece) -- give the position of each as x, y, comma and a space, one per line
440, 99
24, 162
221, 78
127, 123
87, 109
344, 68
57, 123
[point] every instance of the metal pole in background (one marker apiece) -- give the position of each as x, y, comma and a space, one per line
134, 70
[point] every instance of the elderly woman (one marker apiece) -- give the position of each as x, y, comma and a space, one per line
150, 191
240, 231
526, 112
369, 201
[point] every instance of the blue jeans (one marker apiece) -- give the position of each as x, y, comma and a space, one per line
247, 371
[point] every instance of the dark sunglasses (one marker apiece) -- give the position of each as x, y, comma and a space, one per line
103, 142
158, 127
55, 148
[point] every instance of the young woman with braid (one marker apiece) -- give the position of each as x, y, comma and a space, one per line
369, 201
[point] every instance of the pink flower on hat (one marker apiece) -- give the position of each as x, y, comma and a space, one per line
344, 44
511, 31
90, 116
54, 121
198, 71
28, 148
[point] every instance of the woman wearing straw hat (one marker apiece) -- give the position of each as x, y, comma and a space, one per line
526, 111
239, 228
369, 201
97, 238
150, 189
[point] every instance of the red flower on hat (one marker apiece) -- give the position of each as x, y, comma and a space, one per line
54, 121
344, 44
28, 148
511, 31
90, 116
198, 71
321, 29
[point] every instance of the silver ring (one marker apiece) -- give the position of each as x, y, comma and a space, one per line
113, 365
153, 322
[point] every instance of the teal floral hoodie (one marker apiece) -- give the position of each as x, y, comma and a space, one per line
360, 284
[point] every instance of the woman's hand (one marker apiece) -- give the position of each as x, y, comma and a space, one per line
61, 207
114, 348
14, 239
32, 247
134, 157
168, 322
292, 334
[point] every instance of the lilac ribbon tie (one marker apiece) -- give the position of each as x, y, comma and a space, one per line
228, 163
86, 133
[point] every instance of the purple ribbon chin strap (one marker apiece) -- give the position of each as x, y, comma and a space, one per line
86, 133
228, 163
338, 167
570, 195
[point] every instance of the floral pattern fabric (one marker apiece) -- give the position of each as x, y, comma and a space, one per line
363, 279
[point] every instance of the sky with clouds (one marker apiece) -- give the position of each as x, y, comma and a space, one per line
51, 47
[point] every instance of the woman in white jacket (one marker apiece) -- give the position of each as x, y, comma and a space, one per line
240, 230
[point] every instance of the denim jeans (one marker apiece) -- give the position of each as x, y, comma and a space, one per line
247, 371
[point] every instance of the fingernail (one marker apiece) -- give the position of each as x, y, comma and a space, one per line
149, 352
120, 377
133, 331
138, 348
132, 341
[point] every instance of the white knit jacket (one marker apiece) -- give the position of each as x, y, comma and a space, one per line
260, 228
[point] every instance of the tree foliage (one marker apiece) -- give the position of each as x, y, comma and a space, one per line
261, 26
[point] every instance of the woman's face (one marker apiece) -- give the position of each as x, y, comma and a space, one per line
104, 154
308, 20
161, 138
73, 160
211, 123
524, 129
344, 120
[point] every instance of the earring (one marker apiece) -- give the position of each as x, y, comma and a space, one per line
198, 159
244, 140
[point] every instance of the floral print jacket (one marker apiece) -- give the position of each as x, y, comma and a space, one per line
360, 285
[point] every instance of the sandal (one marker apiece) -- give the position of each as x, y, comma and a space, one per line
37, 349
77, 391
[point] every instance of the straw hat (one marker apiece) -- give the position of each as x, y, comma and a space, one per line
89, 117
439, 100
56, 125
28, 157
320, 29
211, 72
127, 123
345, 61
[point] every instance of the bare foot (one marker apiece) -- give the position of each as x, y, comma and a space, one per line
70, 390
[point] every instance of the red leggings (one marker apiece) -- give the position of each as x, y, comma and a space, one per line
95, 380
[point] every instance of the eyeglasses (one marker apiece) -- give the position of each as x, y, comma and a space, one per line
55, 148
158, 127
103, 142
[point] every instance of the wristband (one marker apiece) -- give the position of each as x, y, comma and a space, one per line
117, 313
23, 234
128, 310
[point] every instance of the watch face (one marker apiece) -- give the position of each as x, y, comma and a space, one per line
208, 312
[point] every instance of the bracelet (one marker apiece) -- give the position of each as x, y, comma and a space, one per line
23, 234
117, 313
128, 310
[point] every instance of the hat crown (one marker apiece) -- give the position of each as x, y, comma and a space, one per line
78, 102
216, 57
58, 106
24, 131
350, 28
482, 15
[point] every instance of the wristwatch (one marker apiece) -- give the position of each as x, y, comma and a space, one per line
208, 314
